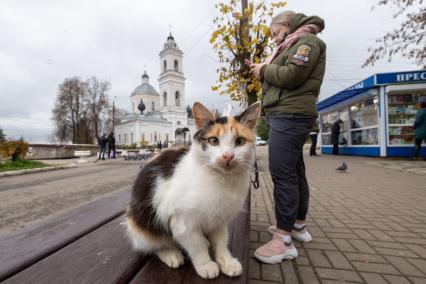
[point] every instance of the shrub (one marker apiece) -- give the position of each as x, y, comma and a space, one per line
262, 129
16, 149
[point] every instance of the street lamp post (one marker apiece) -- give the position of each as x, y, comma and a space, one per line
113, 113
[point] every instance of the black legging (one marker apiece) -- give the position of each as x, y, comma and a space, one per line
287, 135
418, 146
336, 149
314, 138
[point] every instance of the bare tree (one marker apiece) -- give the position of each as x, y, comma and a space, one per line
2, 135
96, 102
119, 115
81, 109
409, 39
69, 110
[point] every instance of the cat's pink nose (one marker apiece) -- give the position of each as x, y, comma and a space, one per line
228, 157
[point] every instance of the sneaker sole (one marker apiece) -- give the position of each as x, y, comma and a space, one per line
290, 254
271, 231
301, 240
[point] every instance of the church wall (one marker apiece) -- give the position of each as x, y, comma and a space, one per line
151, 132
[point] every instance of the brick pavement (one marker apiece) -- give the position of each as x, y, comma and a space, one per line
368, 225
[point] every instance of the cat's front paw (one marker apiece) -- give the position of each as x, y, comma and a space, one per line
209, 270
171, 257
231, 267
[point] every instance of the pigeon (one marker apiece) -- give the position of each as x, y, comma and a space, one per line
342, 168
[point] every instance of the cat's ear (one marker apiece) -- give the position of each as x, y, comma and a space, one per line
250, 115
202, 115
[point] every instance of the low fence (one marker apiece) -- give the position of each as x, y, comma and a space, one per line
55, 151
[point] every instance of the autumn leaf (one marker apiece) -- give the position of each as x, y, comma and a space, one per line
241, 34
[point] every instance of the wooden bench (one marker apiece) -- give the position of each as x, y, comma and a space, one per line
89, 245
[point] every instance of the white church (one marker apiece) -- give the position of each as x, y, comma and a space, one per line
159, 116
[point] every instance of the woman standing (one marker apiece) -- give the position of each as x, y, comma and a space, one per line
420, 129
292, 77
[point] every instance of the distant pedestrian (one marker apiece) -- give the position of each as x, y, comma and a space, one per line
160, 146
314, 139
335, 134
102, 142
420, 129
111, 146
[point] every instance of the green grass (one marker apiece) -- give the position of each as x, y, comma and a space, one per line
20, 165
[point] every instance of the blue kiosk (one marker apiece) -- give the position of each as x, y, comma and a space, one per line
377, 113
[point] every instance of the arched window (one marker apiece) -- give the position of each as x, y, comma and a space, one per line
153, 106
164, 66
176, 65
165, 99
177, 98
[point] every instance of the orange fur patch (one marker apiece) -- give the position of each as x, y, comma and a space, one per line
237, 129
142, 232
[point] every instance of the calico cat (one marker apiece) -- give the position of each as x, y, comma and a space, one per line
185, 197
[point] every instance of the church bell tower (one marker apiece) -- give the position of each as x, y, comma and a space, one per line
172, 84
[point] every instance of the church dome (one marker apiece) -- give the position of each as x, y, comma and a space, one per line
170, 43
145, 87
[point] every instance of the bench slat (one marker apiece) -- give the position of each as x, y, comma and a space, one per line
102, 256
156, 272
27, 246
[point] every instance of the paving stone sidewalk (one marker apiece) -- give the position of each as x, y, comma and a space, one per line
368, 225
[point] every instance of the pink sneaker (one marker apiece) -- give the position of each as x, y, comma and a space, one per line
276, 250
301, 235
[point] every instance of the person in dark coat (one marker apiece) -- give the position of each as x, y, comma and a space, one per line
314, 139
102, 141
111, 146
419, 129
335, 133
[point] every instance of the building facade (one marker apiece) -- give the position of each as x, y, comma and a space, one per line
378, 114
159, 116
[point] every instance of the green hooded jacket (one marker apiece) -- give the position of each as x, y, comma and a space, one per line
420, 124
291, 83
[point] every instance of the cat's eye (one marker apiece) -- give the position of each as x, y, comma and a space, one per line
214, 141
240, 141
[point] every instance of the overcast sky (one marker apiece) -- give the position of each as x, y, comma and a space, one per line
44, 41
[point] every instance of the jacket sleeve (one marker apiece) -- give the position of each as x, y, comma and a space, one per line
419, 118
294, 73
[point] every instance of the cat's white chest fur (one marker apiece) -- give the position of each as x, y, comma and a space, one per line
200, 196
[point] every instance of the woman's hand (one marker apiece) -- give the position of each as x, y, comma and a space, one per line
255, 69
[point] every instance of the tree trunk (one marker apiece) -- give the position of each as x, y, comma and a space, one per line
251, 98
245, 70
